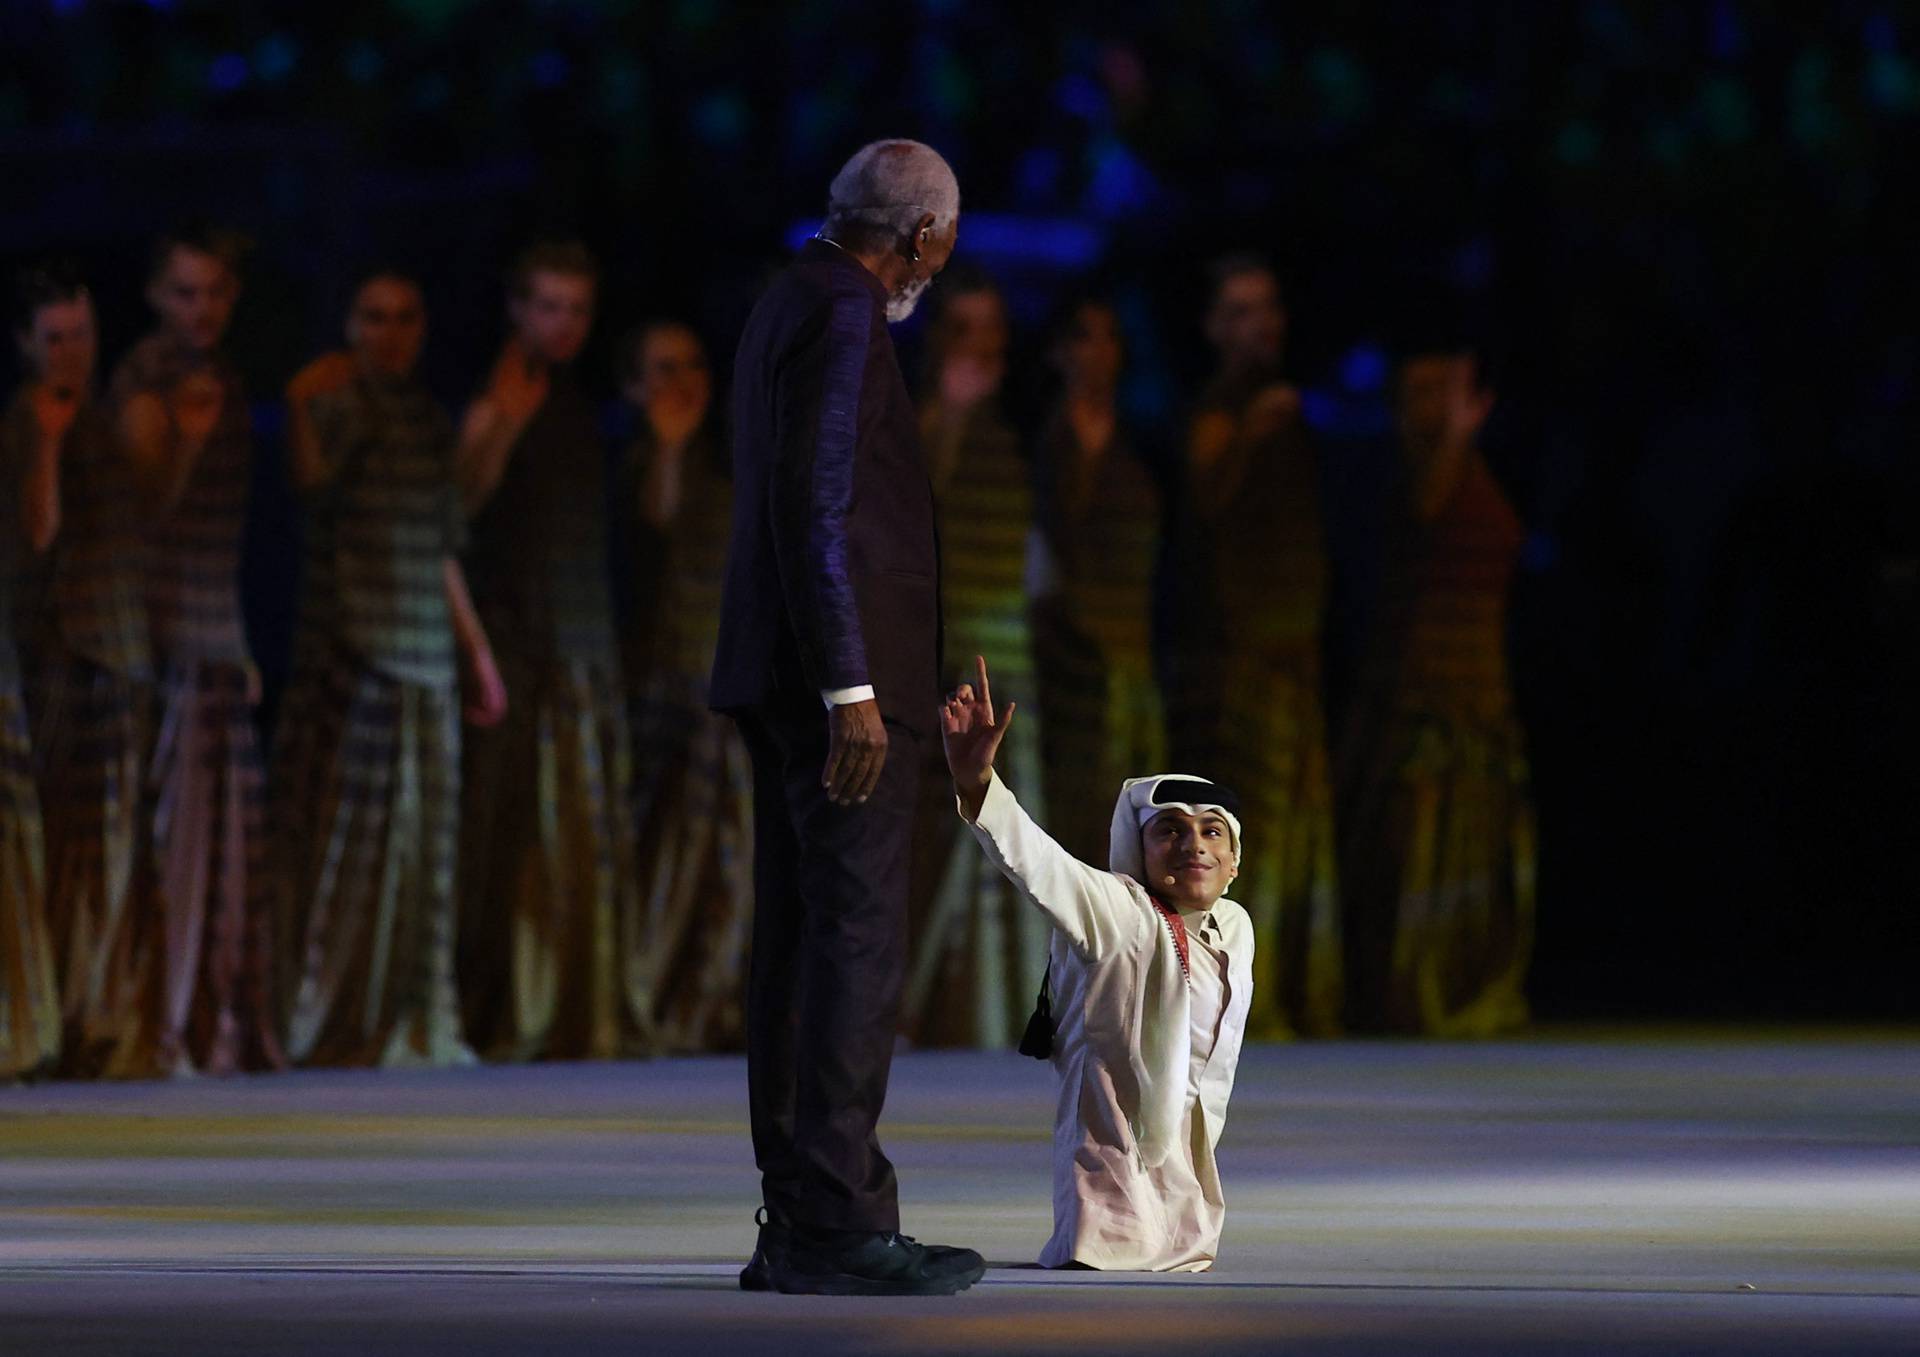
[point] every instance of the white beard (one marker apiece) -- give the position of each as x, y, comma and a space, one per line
901, 304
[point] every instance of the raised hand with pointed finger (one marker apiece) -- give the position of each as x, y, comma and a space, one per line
971, 732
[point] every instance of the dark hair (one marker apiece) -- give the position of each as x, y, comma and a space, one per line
1436, 322
633, 344
964, 280
1067, 311
568, 257
380, 268
46, 283
224, 243
1235, 263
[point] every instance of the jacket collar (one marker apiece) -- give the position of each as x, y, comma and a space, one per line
821, 250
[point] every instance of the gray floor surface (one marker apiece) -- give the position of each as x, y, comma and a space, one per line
1591, 1192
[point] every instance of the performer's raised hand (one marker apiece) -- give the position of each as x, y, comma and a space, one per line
54, 410
195, 404
1468, 405
1272, 410
674, 413
518, 386
971, 732
328, 373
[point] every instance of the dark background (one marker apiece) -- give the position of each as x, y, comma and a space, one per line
1683, 233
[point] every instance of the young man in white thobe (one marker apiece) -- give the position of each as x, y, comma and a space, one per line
1151, 975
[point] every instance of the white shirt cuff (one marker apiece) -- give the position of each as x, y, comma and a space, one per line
843, 697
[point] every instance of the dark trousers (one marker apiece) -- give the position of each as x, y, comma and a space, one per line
829, 959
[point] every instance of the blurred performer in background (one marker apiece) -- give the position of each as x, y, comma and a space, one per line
1246, 590
367, 758
978, 950
184, 425
89, 692
1436, 822
546, 837
693, 786
1090, 569
54, 330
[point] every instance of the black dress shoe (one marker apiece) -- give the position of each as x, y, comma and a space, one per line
839, 1263
757, 1274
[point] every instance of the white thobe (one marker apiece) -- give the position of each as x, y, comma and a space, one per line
1146, 1058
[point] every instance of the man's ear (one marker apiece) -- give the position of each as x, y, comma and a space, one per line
922, 233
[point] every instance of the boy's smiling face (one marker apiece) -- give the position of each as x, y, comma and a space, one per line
1189, 858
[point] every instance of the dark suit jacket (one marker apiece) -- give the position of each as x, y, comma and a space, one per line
833, 569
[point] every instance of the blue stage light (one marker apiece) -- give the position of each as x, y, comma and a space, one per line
1121, 184
275, 57
1080, 96
228, 71
1364, 369
547, 69
364, 63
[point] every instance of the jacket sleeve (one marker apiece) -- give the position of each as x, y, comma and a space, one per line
817, 392
1095, 911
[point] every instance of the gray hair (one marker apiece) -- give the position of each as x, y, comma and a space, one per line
891, 185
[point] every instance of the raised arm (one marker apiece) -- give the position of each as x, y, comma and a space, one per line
53, 415
310, 459
494, 423
1094, 910
1220, 445
163, 436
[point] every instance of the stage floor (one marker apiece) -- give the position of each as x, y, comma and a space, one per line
1590, 1192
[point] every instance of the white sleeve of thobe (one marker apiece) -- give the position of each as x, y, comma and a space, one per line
1094, 910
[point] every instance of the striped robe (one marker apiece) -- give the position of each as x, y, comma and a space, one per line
29, 994
978, 951
1436, 820
1090, 579
693, 786
89, 694
205, 772
367, 757
546, 833
1245, 708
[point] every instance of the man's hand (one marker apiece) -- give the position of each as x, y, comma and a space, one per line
54, 410
195, 404
674, 418
1468, 405
484, 691
1273, 409
972, 734
327, 373
518, 386
856, 752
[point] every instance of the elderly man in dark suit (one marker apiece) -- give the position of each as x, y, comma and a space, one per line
828, 657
